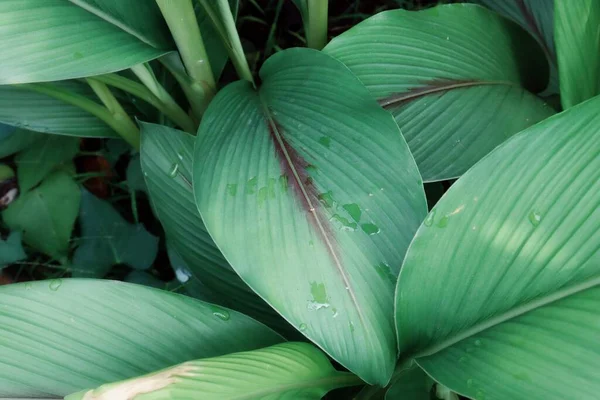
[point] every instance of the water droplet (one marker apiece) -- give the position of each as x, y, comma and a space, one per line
221, 313
470, 382
180, 155
371, 194
370, 229
345, 224
145, 173
315, 306
477, 342
480, 395
312, 209
381, 189
474, 228
327, 199
430, 218
55, 284
443, 222
335, 312
200, 61
302, 326
535, 217
251, 185
173, 170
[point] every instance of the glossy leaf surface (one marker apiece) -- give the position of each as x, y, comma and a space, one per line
62, 336
578, 50
311, 193
166, 157
50, 40
511, 260
453, 76
284, 371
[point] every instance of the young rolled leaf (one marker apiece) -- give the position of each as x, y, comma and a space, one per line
46, 215
50, 40
283, 371
453, 76
61, 336
22, 107
537, 18
511, 260
578, 50
166, 157
309, 190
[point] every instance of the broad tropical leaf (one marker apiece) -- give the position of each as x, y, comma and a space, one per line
453, 76
50, 40
498, 296
166, 157
11, 249
46, 215
62, 336
411, 384
108, 239
537, 18
578, 50
311, 193
284, 371
25, 108
37, 161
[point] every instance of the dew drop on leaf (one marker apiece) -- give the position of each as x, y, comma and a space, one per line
173, 170
55, 284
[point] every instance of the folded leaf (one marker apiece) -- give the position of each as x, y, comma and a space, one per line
283, 371
166, 157
108, 239
310, 191
61, 336
578, 50
453, 76
498, 296
46, 215
50, 40
11, 249
34, 111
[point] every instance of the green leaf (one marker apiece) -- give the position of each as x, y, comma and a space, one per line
46, 215
107, 239
166, 158
50, 40
18, 140
37, 161
312, 195
537, 18
498, 296
578, 50
135, 178
411, 384
62, 336
283, 371
34, 111
11, 249
453, 76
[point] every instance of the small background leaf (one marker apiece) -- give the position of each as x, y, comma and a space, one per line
11, 249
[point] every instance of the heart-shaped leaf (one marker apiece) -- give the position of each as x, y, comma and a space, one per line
107, 239
283, 371
453, 76
578, 50
166, 157
498, 297
46, 215
308, 188
50, 40
62, 336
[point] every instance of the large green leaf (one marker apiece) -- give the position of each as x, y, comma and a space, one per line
311, 193
11, 249
537, 18
61, 336
37, 161
46, 215
498, 297
578, 50
284, 371
411, 384
49, 40
35, 111
17, 140
453, 76
108, 239
166, 156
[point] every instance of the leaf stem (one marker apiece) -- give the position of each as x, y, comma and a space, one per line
131, 134
167, 105
316, 26
225, 24
183, 25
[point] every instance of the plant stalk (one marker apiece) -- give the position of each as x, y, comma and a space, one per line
120, 121
183, 25
316, 27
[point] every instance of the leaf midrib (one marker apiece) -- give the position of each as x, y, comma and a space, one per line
509, 315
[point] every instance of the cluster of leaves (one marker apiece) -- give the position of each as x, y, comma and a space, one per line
309, 205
